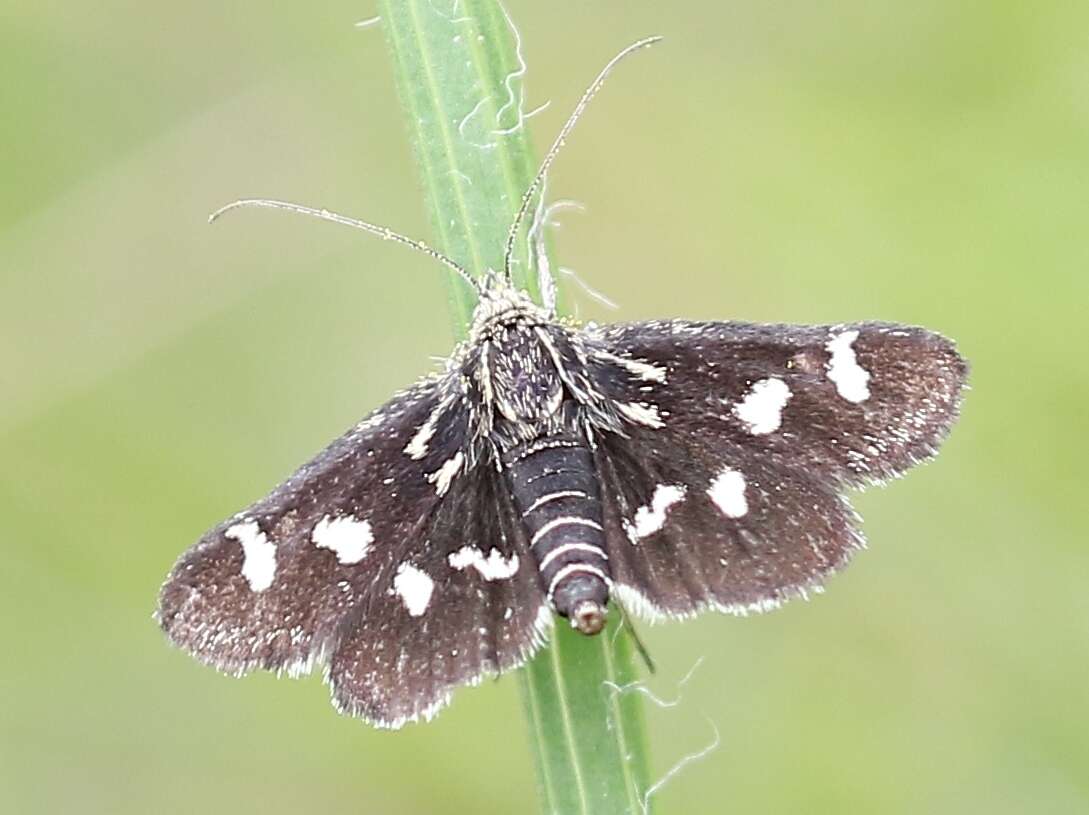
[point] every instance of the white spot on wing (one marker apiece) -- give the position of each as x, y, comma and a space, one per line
637, 367
640, 413
762, 407
443, 476
492, 567
651, 518
258, 554
414, 587
728, 492
850, 378
348, 537
417, 446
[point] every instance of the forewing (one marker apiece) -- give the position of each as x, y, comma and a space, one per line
270, 587
462, 602
855, 403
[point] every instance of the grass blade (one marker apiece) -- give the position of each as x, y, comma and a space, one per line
460, 74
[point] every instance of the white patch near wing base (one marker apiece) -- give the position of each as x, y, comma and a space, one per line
414, 587
492, 567
651, 518
417, 446
443, 476
762, 408
727, 490
258, 554
641, 413
348, 537
850, 378
637, 367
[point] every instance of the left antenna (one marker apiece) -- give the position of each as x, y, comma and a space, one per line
383, 232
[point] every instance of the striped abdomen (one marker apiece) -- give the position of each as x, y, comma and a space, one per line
555, 490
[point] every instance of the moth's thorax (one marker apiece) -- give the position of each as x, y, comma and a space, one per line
512, 362
526, 387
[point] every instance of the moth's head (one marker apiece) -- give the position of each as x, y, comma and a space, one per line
501, 304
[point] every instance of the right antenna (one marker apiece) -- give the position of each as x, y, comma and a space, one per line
554, 150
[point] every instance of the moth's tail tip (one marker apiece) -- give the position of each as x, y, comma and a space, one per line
588, 617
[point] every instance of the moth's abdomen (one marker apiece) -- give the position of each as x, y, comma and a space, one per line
555, 489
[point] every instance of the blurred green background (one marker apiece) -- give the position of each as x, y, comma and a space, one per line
923, 162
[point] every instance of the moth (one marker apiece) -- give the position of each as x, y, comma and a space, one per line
551, 468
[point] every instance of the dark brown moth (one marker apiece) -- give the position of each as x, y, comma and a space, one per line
672, 466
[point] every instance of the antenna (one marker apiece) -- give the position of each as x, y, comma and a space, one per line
550, 156
383, 232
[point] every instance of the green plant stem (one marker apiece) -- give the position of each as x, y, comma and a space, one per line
457, 73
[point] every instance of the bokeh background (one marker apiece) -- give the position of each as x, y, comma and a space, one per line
923, 162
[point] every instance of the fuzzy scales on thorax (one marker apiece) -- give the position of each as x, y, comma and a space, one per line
525, 375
